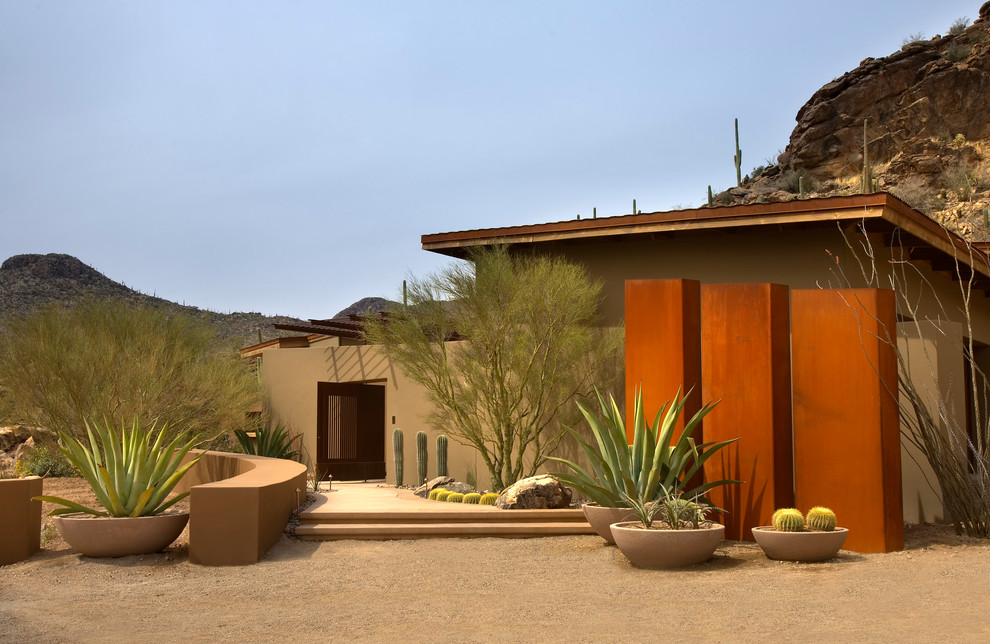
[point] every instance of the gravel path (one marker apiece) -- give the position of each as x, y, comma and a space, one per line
562, 589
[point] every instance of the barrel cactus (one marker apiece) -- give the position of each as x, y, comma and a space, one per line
788, 520
471, 497
821, 519
488, 498
443, 494
434, 492
455, 497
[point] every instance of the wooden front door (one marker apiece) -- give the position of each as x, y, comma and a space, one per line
350, 437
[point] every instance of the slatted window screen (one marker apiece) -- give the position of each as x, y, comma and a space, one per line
342, 419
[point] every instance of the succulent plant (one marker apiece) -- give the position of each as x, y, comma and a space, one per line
443, 494
273, 442
471, 497
455, 497
397, 451
130, 473
441, 455
821, 519
788, 520
421, 456
488, 498
434, 492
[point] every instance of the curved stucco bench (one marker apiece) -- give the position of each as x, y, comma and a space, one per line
239, 505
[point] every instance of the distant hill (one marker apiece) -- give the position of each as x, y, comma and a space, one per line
28, 282
367, 305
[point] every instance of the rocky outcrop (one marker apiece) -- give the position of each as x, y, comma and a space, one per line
929, 90
535, 493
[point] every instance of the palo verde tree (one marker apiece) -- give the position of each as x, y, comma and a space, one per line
107, 359
502, 346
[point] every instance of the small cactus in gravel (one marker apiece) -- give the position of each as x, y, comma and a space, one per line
455, 497
821, 519
788, 520
488, 498
471, 497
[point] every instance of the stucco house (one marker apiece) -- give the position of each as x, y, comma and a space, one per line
346, 398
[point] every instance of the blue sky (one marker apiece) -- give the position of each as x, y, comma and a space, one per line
285, 157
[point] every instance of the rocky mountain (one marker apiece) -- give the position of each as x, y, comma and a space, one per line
927, 132
366, 305
28, 282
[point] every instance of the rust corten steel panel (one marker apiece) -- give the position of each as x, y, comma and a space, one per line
663, 344
846, 426
745, 356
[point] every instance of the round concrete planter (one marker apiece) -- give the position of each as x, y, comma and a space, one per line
800, 546
120, 536
601, 518
666, 548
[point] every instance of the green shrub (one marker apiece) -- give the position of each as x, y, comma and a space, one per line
111, 359
958, 26
43, 462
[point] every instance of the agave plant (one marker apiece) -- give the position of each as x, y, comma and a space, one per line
674, 511
649, 468
275, 442
130, 475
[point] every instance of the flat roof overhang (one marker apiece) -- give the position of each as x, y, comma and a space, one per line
923, 238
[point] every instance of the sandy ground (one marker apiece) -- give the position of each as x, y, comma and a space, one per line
562, 589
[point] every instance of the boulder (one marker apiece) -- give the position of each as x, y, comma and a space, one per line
539, 492
440, 481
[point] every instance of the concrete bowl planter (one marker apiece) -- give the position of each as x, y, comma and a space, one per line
120, 536
601, 518
666, 548
20, 518
800, 546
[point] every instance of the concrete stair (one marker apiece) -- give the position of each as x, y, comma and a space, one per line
406, 517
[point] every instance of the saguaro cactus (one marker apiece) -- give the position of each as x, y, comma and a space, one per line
397, 455
421, 456
737, 158
866, 181
441, 455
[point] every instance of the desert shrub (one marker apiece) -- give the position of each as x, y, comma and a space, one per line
958, 26
526, 347
916, 194
110, 359
44, 462
957, 52
910, 39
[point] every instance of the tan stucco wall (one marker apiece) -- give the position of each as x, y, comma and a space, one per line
291, 377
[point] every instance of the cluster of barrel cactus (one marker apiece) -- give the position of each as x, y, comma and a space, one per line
819, 519
475, 498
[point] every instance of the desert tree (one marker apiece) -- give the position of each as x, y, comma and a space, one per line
503, 345
956, 445
109, 359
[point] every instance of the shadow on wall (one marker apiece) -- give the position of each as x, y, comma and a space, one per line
355, 363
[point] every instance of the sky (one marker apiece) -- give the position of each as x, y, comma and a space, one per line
285, 157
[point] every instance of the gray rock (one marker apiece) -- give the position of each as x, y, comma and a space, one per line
535, 493
440, 481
